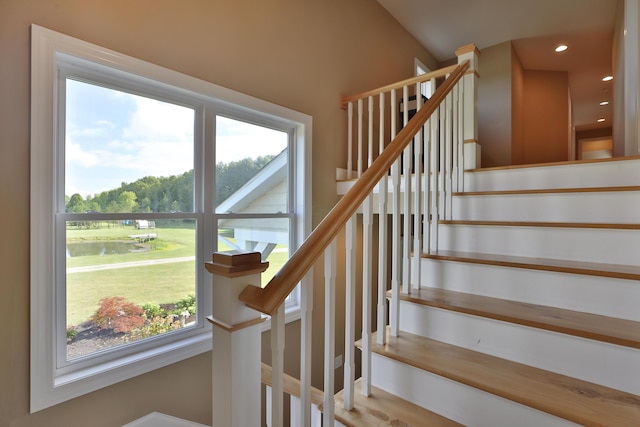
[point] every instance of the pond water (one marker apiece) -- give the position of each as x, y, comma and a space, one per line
104, 248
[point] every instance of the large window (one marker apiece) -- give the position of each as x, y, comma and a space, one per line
138, 175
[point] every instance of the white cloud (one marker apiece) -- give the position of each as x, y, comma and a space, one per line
156, 139
75, 155
156, 120
236, 140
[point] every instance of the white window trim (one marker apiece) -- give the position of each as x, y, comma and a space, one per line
48, 386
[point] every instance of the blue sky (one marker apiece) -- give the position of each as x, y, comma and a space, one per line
114, 137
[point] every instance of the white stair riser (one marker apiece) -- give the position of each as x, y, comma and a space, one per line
593, 361
591, 294
583, 175
595, 207
456, 401
610, 246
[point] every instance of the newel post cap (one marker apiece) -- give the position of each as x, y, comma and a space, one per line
236, 264
469, 53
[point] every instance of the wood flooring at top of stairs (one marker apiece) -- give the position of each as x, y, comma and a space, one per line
585, 325
618, 271
549, 191
565, 397
543, 224
556, 164
385, 409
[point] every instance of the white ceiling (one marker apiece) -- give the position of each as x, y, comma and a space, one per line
535, 27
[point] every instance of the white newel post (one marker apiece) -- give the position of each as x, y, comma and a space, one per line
236, 340
470, 106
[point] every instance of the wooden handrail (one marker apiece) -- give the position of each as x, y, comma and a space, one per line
268, 299
344, 100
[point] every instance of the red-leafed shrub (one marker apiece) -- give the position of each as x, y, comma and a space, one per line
118, 314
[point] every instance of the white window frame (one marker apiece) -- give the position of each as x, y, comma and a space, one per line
50, 384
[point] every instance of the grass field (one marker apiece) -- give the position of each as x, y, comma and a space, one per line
146, 283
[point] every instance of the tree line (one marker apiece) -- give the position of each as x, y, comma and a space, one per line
166, 194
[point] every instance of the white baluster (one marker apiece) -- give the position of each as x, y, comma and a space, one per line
428, 137
367, 287
360, 138
406, 204
448, 158
277, 367
350, 312
329, 333
382, 240
455, 141
306, 331
350, 140
461, 122
370, 134
417, 199
438, 136
394, 309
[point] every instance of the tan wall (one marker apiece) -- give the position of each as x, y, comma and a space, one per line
299, 54
517, 106
494, 105
523, 115
618, 83
545, 118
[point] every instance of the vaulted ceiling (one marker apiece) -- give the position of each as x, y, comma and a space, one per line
535, 28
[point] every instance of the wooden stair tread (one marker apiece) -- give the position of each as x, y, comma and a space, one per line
565, 397
591, 326
385, 409
618, 271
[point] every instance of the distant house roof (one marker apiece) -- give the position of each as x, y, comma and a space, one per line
268, 178
266, 192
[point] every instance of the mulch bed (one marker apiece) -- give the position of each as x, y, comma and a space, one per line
91, 338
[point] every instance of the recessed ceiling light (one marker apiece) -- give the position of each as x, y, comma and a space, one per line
604, 103
607, 78
561, 48
601, 120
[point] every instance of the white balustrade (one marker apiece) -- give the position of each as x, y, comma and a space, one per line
414, 192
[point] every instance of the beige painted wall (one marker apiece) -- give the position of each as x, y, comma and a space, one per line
517, 107
494, 105
626, 126
545, 118
300, 54
618, 83
523, 115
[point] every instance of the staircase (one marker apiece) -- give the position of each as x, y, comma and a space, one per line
529, 312
504, 297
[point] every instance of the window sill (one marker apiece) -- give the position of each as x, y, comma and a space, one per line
95, 377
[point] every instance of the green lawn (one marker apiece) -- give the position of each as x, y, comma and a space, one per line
158, 284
